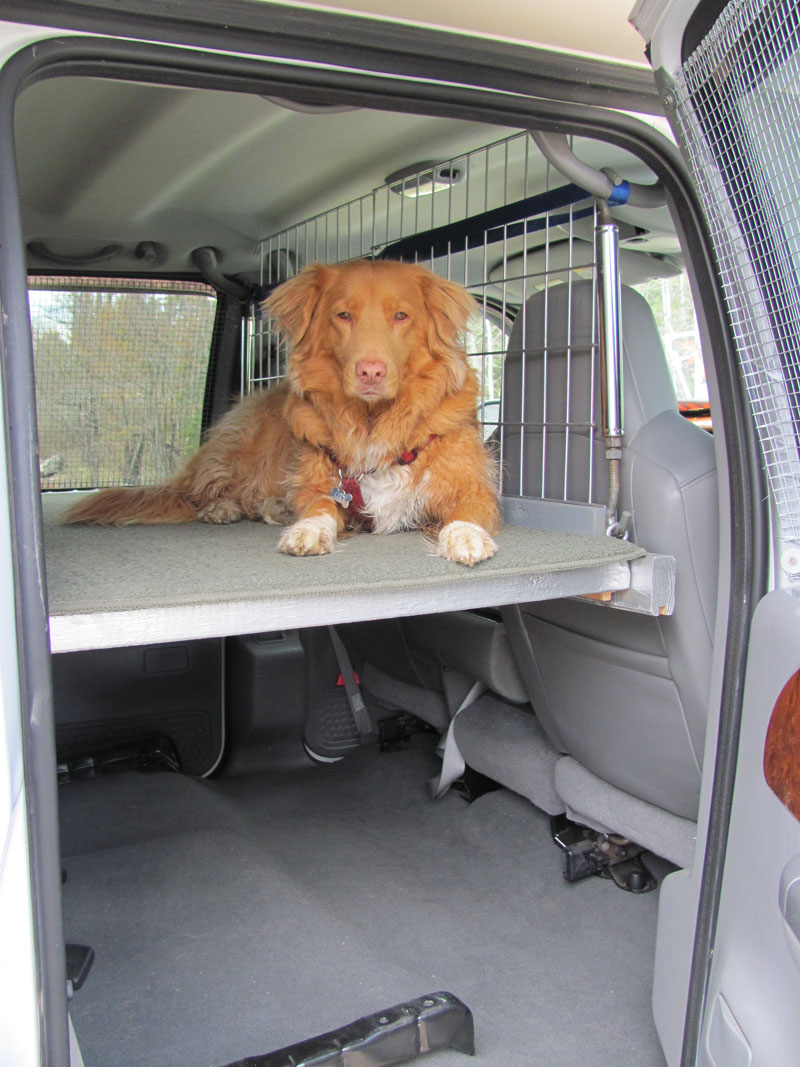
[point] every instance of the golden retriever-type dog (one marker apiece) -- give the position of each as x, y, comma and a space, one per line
376, 425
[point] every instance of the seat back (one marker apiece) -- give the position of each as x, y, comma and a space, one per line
624, 694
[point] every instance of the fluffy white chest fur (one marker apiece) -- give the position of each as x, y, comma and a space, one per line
390, 500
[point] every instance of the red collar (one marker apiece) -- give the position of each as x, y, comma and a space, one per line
403, 459
348, 491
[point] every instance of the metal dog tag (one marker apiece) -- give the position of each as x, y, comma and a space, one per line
340, 496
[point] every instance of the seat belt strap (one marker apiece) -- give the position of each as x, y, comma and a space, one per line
356, 701
453, 765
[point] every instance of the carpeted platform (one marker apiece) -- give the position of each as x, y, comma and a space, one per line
236, 916
141, 584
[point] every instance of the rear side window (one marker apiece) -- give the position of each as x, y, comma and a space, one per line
486, 341
121, 370
673, 309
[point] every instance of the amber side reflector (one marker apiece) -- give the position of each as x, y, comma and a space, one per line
782, 747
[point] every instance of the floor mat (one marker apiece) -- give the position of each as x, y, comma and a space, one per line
235, 917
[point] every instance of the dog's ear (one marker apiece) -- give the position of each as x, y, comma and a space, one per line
292, 303
450, 307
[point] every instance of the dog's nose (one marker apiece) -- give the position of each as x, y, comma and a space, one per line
370, 372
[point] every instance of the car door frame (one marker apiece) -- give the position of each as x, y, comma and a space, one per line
736, 445
759, 664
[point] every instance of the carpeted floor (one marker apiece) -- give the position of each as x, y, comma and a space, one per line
237, 916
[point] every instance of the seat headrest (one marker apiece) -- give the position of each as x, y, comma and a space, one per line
551, 391
560, 323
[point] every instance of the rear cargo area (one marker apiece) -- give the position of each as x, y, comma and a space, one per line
260, 899
236, 915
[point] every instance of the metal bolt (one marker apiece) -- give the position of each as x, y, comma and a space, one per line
383, 1020
668, 100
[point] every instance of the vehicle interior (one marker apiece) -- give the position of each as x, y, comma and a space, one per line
247, 862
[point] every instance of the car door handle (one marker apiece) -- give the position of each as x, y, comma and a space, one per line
789, 904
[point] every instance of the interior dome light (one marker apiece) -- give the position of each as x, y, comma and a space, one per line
423, 179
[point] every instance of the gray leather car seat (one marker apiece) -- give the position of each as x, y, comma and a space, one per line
624, 694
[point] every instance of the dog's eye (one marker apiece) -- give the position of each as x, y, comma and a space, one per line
345, 316
400, 315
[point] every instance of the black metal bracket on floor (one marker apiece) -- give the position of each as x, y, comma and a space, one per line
394, 732
147, 753
427, 1024
79, 962
588, 852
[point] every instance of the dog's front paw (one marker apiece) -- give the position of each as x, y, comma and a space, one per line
309, 537
465, 542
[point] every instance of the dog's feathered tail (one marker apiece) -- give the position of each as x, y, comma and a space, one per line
126, 507
238, 472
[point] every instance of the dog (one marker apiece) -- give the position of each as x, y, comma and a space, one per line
375, 426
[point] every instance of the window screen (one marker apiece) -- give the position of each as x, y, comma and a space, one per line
121, 371
738, 117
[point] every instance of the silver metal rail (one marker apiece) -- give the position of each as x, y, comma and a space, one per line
609, 297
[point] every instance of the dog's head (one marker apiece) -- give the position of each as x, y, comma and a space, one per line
361, 328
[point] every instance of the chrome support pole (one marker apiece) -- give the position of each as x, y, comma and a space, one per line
609, 308
609, 294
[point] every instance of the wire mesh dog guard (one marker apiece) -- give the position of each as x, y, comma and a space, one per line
738, 113
480, 219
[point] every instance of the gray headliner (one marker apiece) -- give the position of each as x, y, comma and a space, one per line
103, 161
